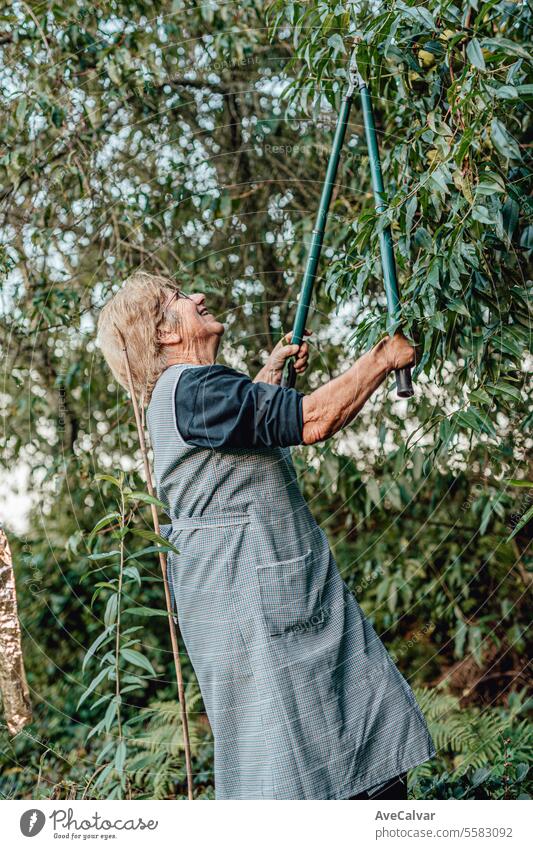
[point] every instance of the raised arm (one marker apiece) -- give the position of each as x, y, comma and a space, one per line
219, 408
335, 404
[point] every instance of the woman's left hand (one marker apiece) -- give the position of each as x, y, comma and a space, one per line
272, 370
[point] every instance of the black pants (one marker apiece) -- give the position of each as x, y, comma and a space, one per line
396, 788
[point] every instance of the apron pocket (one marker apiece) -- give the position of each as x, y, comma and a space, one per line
291, 597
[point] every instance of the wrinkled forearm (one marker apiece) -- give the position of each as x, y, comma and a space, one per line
335, 404
268, 374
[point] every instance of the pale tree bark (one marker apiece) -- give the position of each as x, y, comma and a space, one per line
13, 683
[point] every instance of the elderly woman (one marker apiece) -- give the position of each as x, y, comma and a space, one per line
302, 697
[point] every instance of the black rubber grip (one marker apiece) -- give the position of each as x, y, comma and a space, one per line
288, 379
404, 386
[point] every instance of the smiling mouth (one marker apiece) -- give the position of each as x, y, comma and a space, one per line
204, 311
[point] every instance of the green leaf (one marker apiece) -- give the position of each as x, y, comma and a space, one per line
104, 555
106, 520
225, 205
434, 47
510, 213
507, 46
120, 757
410, 209
100, 640
423, 238
102, 700
97, 729
481, 775
94, 684
418, 463
113, 72
485, 517
481, 213
506, 92
484, 420
104, 775
503, 141
146, 611
479, 396
374, 494
521, 771
522, 523
459, 639
474, 53
110, 615
102, 754
468, 420
489, 183
134, 680
109, 478
501, 388
132, 573
458, 306
20, 112
392, 598
145, 498
138, 659
153, 537
110, 713
418, 13
150, 549
336, 41
515, 482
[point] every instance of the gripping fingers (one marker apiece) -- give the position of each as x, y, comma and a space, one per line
301, 361
298, 355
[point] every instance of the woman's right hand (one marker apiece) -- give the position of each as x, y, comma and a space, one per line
399, 353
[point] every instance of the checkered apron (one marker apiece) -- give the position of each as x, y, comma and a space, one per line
302, 697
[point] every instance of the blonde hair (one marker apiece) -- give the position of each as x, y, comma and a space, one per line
138, 311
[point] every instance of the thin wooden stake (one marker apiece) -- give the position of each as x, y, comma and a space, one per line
163, 564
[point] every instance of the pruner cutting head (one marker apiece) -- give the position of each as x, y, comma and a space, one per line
355, 79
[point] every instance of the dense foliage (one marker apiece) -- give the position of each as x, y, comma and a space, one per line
191, 139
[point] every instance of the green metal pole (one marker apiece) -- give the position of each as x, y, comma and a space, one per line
317, 238
404, 385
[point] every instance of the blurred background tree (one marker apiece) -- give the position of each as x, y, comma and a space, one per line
191, 139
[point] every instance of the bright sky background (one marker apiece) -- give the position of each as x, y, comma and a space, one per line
15, 500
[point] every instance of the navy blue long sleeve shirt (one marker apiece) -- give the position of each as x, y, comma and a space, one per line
218, 407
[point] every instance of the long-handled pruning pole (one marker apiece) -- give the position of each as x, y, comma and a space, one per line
403, 376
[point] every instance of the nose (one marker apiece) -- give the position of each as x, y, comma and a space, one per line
198, 298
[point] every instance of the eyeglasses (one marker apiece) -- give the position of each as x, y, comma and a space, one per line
177, 293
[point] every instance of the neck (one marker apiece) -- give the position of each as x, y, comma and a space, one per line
204, 356
196, 359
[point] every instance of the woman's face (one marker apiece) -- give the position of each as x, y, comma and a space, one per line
196, 324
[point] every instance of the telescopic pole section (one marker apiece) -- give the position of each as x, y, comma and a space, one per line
404, 385
315, 247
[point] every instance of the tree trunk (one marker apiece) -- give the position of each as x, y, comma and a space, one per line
13, 684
